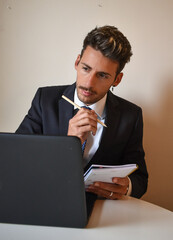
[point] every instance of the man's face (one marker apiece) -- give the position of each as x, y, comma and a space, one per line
95, 75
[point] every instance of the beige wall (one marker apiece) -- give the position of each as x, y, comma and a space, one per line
40, 39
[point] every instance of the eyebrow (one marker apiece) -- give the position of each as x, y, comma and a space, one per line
108, 74
86, 65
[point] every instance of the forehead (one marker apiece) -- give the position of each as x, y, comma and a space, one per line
97, 61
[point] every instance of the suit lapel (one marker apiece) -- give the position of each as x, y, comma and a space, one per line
66, 109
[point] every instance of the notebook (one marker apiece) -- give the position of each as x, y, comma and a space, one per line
41, 181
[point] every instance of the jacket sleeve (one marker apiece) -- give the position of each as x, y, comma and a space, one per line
134, 153
32, 123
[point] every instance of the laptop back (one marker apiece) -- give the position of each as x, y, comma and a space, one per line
41, 181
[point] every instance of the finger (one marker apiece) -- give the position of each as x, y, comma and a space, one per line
111, 187
104, 193
86, 121
83, 117
85, 113
121, 181
82, 110
80, 131
85, 129
83, 124
87, 110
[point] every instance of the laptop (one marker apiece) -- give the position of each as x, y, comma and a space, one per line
41, 181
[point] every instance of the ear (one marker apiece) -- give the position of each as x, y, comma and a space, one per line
77, 61
117, 80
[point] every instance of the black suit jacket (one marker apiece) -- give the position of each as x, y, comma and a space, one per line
121, 141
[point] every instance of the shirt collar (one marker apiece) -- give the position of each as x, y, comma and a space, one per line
98, 107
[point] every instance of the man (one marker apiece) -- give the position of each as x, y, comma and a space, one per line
99, 67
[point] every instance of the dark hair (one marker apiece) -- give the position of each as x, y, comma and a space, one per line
111, 42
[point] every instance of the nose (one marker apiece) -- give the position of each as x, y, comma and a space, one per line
91, 81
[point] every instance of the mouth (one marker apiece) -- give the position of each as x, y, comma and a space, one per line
86, 92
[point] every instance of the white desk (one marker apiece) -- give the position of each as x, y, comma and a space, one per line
110, 220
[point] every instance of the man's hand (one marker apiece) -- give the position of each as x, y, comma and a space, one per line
115, 190
82, 123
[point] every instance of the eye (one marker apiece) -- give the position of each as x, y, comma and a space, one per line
103, 75
86, 69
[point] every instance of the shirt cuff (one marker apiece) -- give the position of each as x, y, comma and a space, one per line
129, 190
